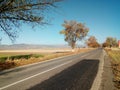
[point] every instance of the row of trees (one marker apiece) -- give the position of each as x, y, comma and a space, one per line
110, 42
74, 31
15, 12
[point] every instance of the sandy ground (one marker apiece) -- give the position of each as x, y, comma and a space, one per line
37, 50
46, 50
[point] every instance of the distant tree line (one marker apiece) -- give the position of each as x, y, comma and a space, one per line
75, 31
110, 42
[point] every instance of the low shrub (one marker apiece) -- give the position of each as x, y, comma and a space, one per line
6, 65
37, 55
19, 57
3, 59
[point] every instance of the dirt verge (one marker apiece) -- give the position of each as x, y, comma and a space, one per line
107, 77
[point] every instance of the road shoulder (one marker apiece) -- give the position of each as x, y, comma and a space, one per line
107, 76
98, 79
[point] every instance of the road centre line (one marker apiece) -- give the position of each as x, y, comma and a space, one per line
34, 75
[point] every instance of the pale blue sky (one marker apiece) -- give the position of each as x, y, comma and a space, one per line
102, 17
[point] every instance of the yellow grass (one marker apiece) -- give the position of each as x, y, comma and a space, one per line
47, 56
115, 63
115, 55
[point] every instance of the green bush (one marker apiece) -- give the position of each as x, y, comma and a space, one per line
36, 55
19, 57
2, 59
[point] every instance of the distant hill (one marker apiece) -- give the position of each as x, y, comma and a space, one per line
30, 46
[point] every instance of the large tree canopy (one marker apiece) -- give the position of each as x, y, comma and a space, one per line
110, 42
92, 42
15, 12
73, 32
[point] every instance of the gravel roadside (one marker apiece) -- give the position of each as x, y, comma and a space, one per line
107, 76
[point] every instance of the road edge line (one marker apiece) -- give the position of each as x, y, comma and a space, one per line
8, 70
34, 75
98, 79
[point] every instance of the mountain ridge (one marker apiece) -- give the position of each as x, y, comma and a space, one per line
30, 46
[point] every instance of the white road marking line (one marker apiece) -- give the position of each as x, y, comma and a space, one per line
39, 62
42, 62
34, 75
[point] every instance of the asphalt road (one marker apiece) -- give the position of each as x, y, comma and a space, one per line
76, 72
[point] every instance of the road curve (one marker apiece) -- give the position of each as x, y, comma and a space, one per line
75, 72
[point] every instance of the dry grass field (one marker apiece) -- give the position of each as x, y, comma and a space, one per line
15, 58
115, 63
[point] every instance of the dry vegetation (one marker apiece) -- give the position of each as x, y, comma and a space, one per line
115, 63
21, 58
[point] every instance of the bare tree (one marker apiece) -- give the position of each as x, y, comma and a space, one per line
15, 12
73, 32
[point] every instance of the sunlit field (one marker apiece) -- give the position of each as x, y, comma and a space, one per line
115, 55
14, 58
115, 62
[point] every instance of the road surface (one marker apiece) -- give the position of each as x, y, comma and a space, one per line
75, 72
